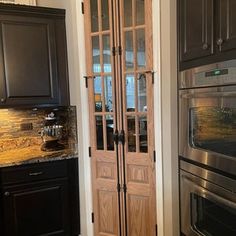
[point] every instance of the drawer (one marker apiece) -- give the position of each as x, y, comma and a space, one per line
33, 172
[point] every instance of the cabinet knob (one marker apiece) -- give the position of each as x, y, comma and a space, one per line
6, 194
205, 46
2, 99
219, 41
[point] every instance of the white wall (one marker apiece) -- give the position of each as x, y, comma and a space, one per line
165, 109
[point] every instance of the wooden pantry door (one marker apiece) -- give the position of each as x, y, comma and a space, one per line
119, 63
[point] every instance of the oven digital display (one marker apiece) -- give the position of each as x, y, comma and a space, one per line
216, 72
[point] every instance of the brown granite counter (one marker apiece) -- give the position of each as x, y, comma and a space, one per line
33, 154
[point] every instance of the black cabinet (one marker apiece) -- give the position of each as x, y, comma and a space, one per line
196, 28
40, 199
33, 57
207, 31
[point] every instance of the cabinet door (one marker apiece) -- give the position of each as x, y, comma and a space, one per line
196, 29
27, 61
36, 209
226, 39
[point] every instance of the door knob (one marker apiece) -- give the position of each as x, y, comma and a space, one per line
2, 99
6, 194
205, 46
219, 41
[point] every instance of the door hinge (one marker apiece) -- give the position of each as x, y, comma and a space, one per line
89, 149
156, 229
116, 50
118, 187
154, 156
116, 137
121, 137
86, 77
92, 217
125, 188
82, 7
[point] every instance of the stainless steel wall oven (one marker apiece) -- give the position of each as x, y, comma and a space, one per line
207, 149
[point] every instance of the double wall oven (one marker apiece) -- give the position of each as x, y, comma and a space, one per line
207, 149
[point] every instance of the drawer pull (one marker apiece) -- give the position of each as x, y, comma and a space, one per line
35, 173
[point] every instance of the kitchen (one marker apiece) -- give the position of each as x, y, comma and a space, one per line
165, 110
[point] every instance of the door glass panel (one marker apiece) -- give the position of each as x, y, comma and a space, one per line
130, 93
98, 94
94, 15
142, 96
127, 13
96, 54
105, 15
129, 50
131, 133
214, 129
140, 44
99, 133
110, 129
143, 144
108, 93
106, 53
213, 218
140, 19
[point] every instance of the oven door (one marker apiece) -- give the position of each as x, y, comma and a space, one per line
208, 210
207, 121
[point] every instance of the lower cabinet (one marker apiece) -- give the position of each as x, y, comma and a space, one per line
40, 206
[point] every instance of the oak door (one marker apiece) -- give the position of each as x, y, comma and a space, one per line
120, 85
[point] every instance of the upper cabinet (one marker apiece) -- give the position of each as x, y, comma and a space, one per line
207, 31
33, 56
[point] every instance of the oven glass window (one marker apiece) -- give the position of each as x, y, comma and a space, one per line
213, 129
212, 219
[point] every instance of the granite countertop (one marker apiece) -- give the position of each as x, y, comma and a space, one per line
33, 154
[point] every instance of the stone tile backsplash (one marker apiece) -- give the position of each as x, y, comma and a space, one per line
20, 128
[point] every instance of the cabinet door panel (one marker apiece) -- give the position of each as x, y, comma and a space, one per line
36, 209
29, 56
227, 26
196, 29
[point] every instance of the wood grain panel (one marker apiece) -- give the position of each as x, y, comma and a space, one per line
137, 174
107, 212
105, 170
138, 215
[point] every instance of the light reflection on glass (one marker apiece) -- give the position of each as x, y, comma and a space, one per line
98, 94
130, 93
96, 54
131, 133
108, 93
106, 53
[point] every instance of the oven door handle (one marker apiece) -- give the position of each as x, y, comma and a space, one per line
207, 194
207, 94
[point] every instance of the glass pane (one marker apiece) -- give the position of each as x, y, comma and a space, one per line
94, 15
130, 93
129, 50
105, 15
110, 128
128, 12
131, 134
214, 129
140, 44
108, 93
143, 144
213, 218
106, 53
99, 133
98, 94
140, 20
96, 54
142, 95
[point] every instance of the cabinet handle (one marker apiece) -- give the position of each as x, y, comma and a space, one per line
2, 100
205, 46
35, 173
6, 194
219, 41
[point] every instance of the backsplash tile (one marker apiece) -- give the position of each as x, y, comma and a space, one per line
12, 136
